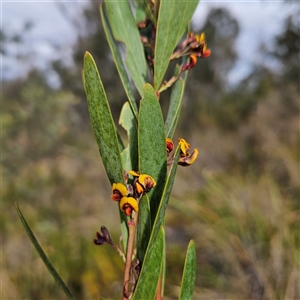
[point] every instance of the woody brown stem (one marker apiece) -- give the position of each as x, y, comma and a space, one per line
130, 249
158, 295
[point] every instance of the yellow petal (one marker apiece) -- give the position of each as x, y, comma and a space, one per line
139, 187
134, 173
184, 146
192, 158
147, 182
202, 38
129, 201
188, 160
119, 188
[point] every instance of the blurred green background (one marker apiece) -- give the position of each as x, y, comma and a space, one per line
239, 201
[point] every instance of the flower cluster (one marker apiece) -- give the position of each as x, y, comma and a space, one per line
195, 46
129, 195
185, 158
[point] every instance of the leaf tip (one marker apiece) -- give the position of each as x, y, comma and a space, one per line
147, 87
192, 242
88, 56
16, 205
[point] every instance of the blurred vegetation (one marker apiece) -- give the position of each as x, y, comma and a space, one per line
240, 201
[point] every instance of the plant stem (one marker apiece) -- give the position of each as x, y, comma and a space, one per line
132, 225
159, 289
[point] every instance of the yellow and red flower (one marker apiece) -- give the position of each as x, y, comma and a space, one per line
185, 158
189, 159
195, 46
119, 191
201, 49
128, 205
143, 183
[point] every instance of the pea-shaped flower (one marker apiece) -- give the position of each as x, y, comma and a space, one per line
119, 190
185, 158
200, 49
189, 159
128, 205
143, 182
195, 46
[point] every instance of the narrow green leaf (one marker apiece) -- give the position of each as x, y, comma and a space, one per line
43, 256
189, 273
125, 30
104, 128
118, 61
175, 104
152, 145
124, 230
155, 234
144, 227
160, 216
151, 269
173, 17
163, 271
130, 153
121, 142
102, 121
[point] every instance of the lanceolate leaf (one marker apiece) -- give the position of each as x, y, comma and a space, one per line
104, 128
156, 230
129, 156
151, 268
118, 61
160, 216
43, 256
189, 273
173, 17
130, 153
152, 145
144, 227
125, 30
175, 104
102, 121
